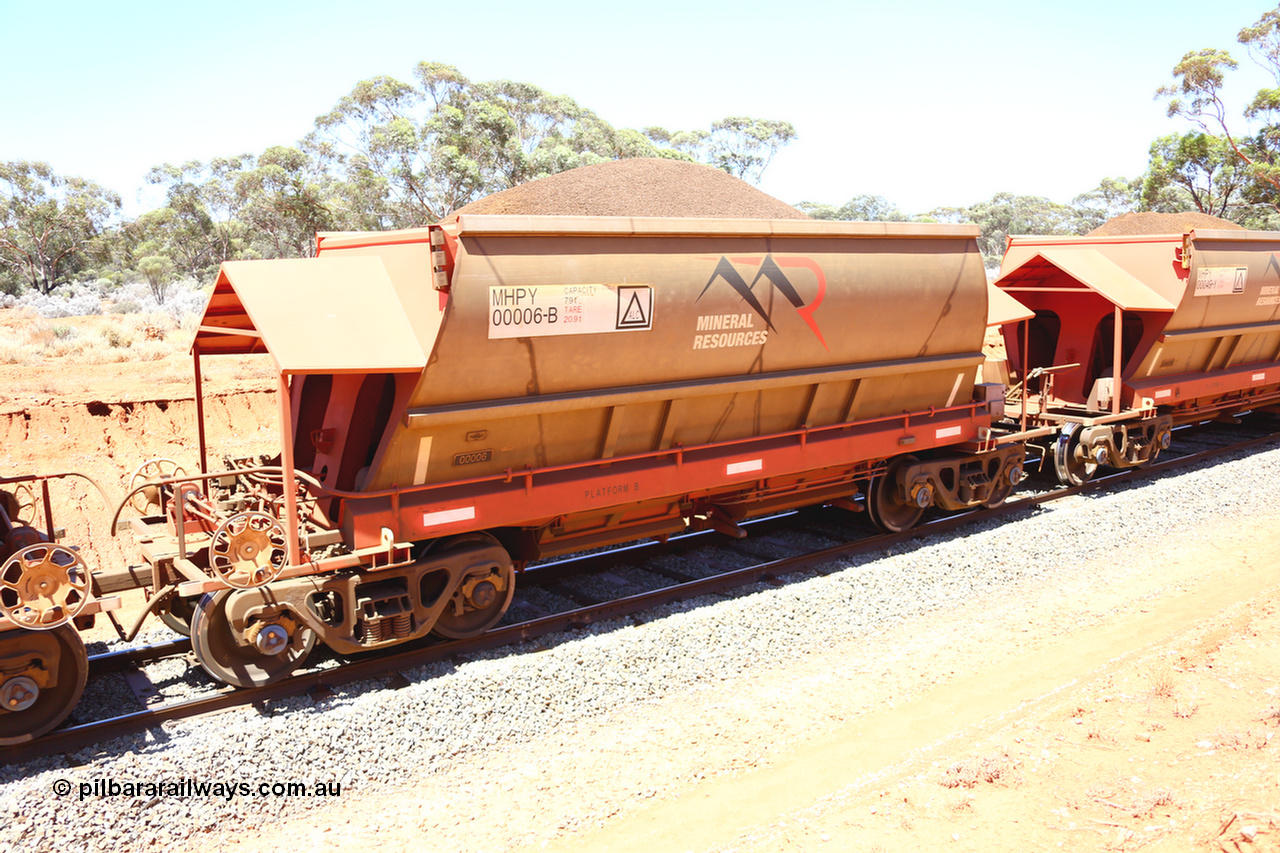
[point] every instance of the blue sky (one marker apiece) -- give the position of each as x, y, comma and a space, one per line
925, 103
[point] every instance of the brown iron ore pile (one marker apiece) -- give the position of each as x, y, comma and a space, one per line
636, 187
1161, 223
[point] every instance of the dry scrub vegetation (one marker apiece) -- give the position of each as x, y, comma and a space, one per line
112, 358
27, 339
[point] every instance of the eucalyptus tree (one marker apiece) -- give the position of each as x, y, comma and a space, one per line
1197, 170
410, 153
198, 227
860, 208
1112, 197
1197, 95
740, 145
1004, 214
283, 200
744, 146
50, 225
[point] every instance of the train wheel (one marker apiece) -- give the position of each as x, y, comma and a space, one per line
1007, 479
1161, 441
28, 709
888, 511
176, 613
482, 597
274, 651
999, 494
1073, 466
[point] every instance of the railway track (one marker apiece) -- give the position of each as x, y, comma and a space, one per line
555, 601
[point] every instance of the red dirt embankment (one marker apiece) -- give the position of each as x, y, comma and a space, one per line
108, 440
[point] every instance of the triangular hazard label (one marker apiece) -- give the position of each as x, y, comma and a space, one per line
635, 307
635, 313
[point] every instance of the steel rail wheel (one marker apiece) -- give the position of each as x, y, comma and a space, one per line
481, 599
1070, 463
888, 511
254, 664
176, 613
29, 709
999, 493
44, 586
1007, 479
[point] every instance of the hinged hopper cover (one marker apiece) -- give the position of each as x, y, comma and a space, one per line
1091, 269
1003, 308
314, 315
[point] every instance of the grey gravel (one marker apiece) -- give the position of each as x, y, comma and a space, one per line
372, 739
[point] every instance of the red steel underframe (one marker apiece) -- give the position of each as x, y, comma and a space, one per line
728, 469
1201, 392
1186, 396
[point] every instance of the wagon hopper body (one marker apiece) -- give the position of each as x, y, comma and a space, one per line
643, 364
1199, 321
461, 399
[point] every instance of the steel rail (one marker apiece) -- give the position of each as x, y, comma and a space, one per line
418, 653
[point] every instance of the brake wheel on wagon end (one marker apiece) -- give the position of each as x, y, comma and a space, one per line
43, 586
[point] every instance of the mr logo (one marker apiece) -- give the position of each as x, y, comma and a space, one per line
770, 268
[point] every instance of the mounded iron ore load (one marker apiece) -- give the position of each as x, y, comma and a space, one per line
1148, 222
1199, 320
641, 186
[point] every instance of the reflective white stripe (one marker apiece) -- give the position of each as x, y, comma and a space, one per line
743, 467
447, 516
424, 456
948, 432
1164, 392
955, 389
1259, 377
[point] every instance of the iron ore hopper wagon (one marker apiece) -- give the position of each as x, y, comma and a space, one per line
459, 400
1126, 337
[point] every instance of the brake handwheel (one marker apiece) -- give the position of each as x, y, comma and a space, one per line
44, 586
20, 504
152, 494
248, 550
